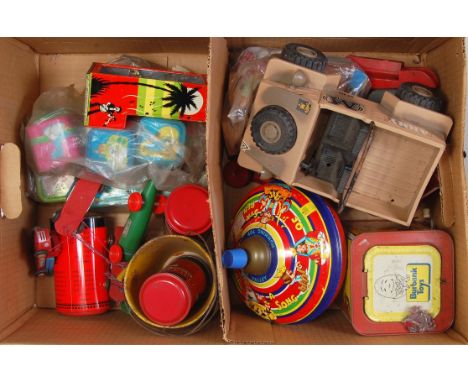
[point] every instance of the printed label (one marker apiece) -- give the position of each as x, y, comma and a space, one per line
303, 106
419, 282
244, 146
399, 278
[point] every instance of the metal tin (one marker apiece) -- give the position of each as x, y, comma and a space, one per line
306, 242
392, 275
187, 210
167, 296
153, 257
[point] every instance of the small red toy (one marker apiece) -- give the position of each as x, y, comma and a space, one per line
77, 205
387, 74
44, 251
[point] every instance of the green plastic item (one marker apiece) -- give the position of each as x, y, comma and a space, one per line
137, 223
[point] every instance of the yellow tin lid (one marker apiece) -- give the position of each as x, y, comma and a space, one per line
401, 277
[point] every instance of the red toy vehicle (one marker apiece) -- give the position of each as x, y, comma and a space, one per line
387, 74
44, 251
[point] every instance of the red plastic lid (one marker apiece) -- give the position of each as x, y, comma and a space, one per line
135, 202
115, 253
187, 210
165, 299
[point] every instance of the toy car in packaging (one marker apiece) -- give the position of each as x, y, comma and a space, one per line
400, 282
114, 92
358, 153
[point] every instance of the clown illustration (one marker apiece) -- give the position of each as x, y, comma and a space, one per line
260, 305
285, 274
314, 246
274, 202
391, 286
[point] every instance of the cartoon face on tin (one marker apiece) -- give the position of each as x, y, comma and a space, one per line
391, 286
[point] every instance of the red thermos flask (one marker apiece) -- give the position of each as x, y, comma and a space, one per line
80, 272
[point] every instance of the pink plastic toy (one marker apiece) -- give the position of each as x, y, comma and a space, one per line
54, 141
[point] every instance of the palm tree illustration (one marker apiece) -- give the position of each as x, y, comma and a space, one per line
179, 99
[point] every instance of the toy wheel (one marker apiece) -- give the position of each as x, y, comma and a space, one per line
274, 130
135, 202
420, 95
305, 56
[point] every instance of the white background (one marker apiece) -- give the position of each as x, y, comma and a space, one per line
233, 18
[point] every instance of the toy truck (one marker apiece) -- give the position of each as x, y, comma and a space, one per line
374, 157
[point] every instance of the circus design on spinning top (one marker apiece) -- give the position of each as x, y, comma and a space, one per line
288, 259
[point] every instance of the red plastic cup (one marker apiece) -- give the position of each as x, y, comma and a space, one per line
167, 297
187, 210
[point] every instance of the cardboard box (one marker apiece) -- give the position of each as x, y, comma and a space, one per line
31, 65
447, 57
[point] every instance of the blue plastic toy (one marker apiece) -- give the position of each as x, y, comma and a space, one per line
161, 141
114, 148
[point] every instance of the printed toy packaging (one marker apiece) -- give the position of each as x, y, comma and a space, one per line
56, 188
51, 188
161, 141
400, 282
54, 141
114, 92
110, 148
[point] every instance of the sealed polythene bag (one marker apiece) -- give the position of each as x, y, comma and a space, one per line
55, 140
123, 157
59, 145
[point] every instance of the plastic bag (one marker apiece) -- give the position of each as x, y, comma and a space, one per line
55, 189
117, 158
354, 80
137, 62
192, 168
122, 158
49, 188
64, 98
54, 140
243, 82
57, 144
